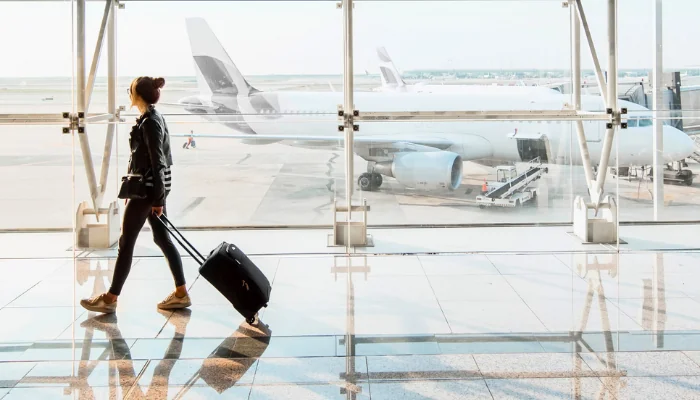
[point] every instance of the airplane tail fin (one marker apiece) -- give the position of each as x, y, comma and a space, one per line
213, 63
391, 77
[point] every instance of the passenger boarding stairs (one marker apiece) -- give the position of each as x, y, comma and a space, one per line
534, 171
696, 154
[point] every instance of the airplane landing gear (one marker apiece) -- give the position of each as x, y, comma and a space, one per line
369, 181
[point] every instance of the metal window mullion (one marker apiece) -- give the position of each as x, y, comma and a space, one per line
594, 55
657, 124
612, 97
576, 83
96, 55
80, 73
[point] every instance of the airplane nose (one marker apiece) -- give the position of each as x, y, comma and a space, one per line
677, 144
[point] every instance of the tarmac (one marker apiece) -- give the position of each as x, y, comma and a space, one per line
225, 183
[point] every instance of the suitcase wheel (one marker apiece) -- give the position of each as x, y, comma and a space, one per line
250, 320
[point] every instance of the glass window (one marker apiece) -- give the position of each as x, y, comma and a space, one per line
645, 122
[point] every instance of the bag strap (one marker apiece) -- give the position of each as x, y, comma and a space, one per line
189, 248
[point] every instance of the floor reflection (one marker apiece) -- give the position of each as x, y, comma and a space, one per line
608, 326
221, 370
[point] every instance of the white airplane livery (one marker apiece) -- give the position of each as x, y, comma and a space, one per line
421, 155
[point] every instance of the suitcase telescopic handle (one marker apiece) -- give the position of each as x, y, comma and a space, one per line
189, 248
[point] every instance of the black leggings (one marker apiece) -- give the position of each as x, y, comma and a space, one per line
136, 213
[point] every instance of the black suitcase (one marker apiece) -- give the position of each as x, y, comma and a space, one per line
231, 272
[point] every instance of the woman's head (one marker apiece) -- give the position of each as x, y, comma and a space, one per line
145, 90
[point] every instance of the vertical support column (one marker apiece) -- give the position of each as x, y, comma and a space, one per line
657, 105
349, 107
576, 88
81, 89
612, 97
111, 95
80, 54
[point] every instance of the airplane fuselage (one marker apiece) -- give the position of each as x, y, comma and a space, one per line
305, 114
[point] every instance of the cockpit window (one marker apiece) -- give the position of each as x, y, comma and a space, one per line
645, 122
632, 122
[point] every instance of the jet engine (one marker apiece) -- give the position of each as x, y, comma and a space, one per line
424, 170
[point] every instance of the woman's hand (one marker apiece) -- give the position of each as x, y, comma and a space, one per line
158, 211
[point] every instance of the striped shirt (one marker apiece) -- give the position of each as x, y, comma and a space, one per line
167, 173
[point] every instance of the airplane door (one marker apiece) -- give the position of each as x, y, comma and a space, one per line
529, 149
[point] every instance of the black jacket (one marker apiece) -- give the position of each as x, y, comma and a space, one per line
150, 151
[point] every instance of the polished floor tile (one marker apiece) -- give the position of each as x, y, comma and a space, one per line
388, 345
300, 320
469, 264
218, 373
385, 265
411, 317
393, 289
488, 344
146, 323
302, 346
654, 363
520, 366
121, 373
419, 327
548, 286
422, 367
13, 372
560, 315
491, 317
547, 389
654, 388
671, 314
310, 392
48, 294
33, 324
311, 370
519, 264
194, 392
205, 321
472, 288
473, 389
575, 342
68, 393
308, 291
80, 349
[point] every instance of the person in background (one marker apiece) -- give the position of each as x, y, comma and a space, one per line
189, 142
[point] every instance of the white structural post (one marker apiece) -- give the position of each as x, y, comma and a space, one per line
81, 89
612, 96
657, 106
576, 83
111, 94
349, 107
594, 54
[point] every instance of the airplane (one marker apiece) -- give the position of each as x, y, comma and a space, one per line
392, 81
420, 155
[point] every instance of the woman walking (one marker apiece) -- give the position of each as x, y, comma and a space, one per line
150, 157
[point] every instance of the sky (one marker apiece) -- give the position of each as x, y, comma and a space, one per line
307, 37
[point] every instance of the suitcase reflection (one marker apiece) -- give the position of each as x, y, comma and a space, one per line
221, 370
